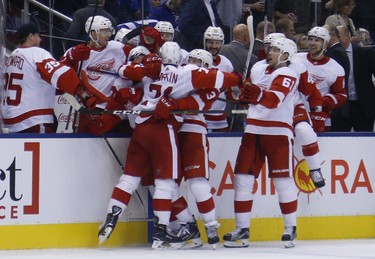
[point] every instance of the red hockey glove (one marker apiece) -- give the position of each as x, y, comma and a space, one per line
77, 53
318, 120
87, 98
163, 108
128, 94
152, 65
251, 93
102, 124
328, 104
151, 38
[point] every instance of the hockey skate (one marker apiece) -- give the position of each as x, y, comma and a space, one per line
108, 226
237, 238
211, 231
190, 234
290, 233
317, 178
163, 239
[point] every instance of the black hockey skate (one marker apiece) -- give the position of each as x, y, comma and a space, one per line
290, 233
317, 178
190, 234
163, 239
211, 231
237, 238
108, 226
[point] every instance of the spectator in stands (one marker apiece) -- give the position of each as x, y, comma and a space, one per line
361, 91
301, 41
258, 10
258, 49
296, 10
343, 9
77, 27
167, 11
236, 51
286, 26
194, 18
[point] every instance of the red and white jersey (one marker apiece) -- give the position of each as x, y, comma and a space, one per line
328, 75
110, 59
31, 78
184, 57
177, 83
219, 121
278, 120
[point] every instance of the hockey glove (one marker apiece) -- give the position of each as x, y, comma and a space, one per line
163, 108
152, 65
78, 53
328, 104
251, 94
318, 120
102, 124
151, 38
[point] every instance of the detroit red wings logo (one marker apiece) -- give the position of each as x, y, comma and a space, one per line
315, 79
93, 71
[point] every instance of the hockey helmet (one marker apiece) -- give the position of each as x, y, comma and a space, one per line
285, 46
203, 55
213, 33
121, 34
98, 23
321, 33
137, 52
170, 53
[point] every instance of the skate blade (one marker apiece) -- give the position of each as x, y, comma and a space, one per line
236, 244
159, 245
192, 243
104, 235
289, 244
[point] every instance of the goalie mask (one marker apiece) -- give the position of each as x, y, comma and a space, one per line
170, 53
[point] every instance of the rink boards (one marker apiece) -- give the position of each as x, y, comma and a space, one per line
54, 191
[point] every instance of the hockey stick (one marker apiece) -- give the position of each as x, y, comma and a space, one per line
249, 22
104, 71
133, 33
78, 107
122, 168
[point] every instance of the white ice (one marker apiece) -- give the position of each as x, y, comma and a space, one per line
327, 249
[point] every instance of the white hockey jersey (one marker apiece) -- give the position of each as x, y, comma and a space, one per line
108, 59
219, 121
31, 78
279, 120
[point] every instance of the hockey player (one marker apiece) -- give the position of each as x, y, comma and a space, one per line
194, 152
167, 32
303, 131
31, 77
325, 72
100, 59
213, 40
153, 138
268, 134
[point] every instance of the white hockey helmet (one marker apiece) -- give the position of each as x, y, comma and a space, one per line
121, 34
285, 46
137, 52
99, 23
203, 55
213, 33
321, 33
272, 36
170, 53
165, 27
